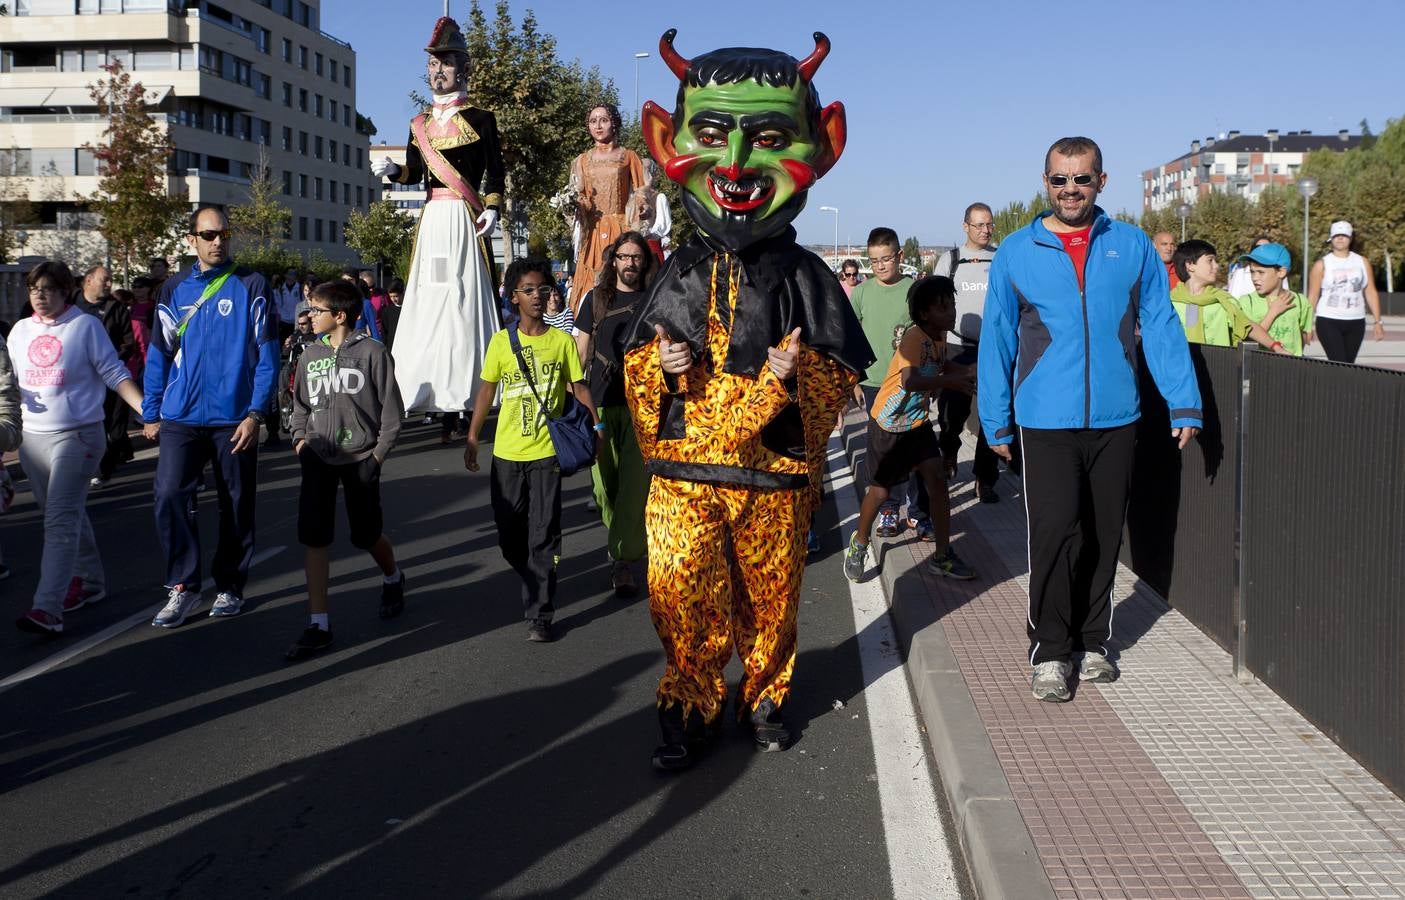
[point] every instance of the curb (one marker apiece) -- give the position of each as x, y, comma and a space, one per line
999, 849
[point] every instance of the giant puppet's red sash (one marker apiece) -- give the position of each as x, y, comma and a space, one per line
446, 173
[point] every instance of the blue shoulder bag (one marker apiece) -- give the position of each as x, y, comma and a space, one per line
572, 432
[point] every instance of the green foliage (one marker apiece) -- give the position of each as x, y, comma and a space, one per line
261, 225
320, 267
912, 252
541, 104
365, 126
17, 214
382, 234
140, 217
1017, 215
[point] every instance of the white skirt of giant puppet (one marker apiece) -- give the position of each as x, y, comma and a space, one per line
449, 314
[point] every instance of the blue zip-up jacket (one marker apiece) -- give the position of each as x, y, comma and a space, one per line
1052, 356
228, 359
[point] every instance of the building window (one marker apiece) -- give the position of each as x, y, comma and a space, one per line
1219, 168
360, 158
302, 142
288, 139
331, 151
332, 71
302, 188
302, 228
317, 224
84, 164
346, 154
287, 50
317, 147
360, 195
318, 67
346, 116
332, 111
287, 95
332, 231
317, 105
287, 184
302, 57
302, 99
317, 191
1258, 169
346, 75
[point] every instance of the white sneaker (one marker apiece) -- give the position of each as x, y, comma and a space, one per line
179, 604
227, 604
1050, 681
1097, 668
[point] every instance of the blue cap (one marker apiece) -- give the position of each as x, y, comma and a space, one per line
1275, 255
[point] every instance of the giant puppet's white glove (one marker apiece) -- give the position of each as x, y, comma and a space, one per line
486, 220
384, 168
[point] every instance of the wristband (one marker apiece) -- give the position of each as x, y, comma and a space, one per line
599, 426
1276, 345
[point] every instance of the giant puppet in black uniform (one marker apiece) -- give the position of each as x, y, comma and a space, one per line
738, 362
450, 309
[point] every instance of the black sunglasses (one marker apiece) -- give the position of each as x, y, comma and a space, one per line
209, 236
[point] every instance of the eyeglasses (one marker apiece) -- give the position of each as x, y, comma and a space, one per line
990, 226
630, 257
541, 291
209, 236
849, 274
1082, 180
883, 260
36, 290
317, 311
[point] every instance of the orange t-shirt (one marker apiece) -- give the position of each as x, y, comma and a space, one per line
895, 408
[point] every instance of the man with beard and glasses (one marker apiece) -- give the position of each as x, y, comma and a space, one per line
1058, 361
621, 481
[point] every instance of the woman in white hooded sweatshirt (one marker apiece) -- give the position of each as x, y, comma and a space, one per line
65, 364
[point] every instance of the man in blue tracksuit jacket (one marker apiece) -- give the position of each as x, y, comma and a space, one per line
210, 373
1058, 364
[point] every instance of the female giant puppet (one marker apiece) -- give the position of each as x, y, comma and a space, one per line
450, 310
737, 363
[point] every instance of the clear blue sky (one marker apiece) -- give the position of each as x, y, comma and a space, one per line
954, 102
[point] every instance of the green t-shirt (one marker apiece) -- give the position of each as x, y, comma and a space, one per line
1210, 317
1287, 328
522, 435
882, 310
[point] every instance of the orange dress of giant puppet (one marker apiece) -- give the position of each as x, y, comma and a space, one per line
734, 433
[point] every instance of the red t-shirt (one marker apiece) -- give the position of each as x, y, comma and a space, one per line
1076, 243
1171, 275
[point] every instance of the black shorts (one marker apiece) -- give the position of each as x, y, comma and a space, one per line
317, 500
893, 455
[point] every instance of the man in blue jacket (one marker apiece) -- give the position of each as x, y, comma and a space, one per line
1058, 363
210, 373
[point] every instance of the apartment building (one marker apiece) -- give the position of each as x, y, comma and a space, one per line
1236, 163
232, 81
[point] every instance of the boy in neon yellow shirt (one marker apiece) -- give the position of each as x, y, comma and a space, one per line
1208, 312
526, 479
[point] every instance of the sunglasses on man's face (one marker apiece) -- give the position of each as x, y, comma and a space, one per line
209, 236
1082, 180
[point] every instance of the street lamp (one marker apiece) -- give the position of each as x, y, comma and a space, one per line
835, 210
637, 57
1306, 187
1184, 212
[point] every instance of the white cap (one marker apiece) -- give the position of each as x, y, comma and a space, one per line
1342, 227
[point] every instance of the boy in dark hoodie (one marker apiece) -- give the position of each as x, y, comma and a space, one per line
346, 417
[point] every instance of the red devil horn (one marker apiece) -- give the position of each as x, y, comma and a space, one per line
678, 64
809, 64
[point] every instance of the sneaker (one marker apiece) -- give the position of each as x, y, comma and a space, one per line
987, 493
855, 560
98, 481
539, 632
622, 579
1097, 668
179, 604
887, 523
393, 597
1050, 681
685, 741
925, 531
949, 468
79, 596
227, 603
769, 730
37, 621
948, 565
312, 642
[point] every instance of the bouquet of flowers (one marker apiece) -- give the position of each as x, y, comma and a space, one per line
566, 199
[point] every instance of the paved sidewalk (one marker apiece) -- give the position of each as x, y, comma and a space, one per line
1175, 781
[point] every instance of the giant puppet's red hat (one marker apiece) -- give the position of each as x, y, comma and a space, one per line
446, 37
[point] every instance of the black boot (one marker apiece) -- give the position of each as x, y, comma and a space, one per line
768, 728
684, 741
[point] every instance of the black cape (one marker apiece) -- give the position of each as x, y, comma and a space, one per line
782, 287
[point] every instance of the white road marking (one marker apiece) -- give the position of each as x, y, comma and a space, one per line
920, 860
75, 650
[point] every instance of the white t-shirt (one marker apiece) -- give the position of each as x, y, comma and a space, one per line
1343, 287
64, 370
972, 277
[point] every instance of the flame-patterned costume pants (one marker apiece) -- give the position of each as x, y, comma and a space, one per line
725, 563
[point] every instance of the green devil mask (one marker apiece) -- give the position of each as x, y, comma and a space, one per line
746, 139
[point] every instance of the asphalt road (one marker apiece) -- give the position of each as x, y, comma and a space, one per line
439, 755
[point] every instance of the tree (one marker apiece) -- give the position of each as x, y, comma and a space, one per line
140, 218
17, 213
383, 235
261, 225
912, 252
1017, 215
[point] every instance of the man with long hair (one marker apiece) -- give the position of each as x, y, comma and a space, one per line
621, 481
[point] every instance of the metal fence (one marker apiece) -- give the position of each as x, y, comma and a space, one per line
1281, 534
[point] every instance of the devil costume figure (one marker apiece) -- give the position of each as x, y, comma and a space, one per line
735, 450
450, 309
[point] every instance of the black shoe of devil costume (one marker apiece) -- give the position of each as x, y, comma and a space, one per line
684, 741
769, 730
